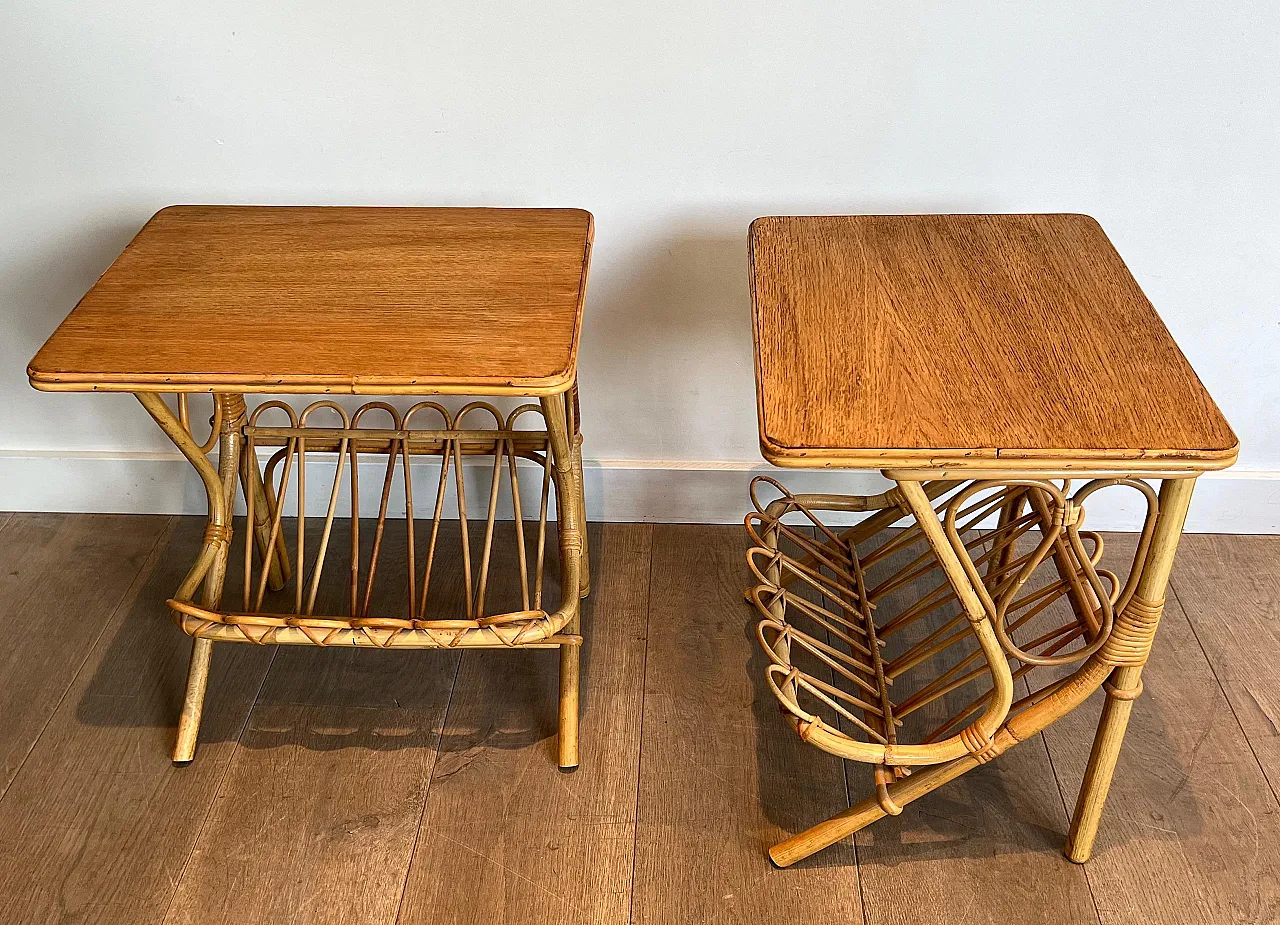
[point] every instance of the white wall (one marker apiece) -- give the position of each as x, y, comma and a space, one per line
675, 123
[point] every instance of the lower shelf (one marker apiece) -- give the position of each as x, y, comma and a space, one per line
524, 629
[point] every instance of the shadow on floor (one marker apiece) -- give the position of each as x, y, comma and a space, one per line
353, 696
1012, 804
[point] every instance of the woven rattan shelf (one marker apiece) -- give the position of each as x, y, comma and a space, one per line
1001, 371
483, 302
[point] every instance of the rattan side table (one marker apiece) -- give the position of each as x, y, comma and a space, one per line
235, 301
999, 370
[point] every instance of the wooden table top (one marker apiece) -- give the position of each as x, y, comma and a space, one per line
967, 341
332, 299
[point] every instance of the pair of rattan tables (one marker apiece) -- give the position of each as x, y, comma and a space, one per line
998, 370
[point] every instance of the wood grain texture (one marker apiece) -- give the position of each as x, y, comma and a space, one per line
1190, 820
722, 777
506, 836
62, 579
97, 826
960, 339
98, 822
1229, 587
327, 783
312, 299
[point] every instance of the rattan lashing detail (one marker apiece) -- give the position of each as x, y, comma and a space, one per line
978, 744
1135, 629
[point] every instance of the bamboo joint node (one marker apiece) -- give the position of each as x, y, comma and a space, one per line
1120, 693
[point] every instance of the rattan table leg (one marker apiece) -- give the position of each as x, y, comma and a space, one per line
184, 749
1125, 682
210, 568
571, 514
575, 429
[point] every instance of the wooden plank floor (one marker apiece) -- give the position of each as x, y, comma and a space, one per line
368, 787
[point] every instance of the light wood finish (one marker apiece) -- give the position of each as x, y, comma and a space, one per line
954, 340
363, 300
98, 827
715, 784
506, 838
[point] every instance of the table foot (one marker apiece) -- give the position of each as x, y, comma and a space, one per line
193, 701
567, 740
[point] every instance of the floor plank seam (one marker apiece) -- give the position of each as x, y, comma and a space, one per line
217, 790
1173, 590
128, 594
857, 854
1067, 808
426, 794
644, 684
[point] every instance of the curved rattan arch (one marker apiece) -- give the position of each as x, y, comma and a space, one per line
283, 479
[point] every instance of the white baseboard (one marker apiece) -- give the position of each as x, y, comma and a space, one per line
1235, 501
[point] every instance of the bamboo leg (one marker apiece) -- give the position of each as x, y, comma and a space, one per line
229, 471
584, 571
1125, 683
210, 568
575, 429
184, 750
569, 680
571, 516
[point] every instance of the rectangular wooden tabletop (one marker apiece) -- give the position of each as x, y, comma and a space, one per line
332, 299
967, 341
